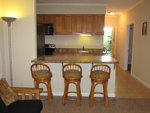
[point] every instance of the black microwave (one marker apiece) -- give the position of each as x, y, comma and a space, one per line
49, 29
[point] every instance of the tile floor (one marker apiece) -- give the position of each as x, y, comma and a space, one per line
128, 87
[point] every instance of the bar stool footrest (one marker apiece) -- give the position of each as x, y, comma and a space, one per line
99, 99
98, 93
72, 92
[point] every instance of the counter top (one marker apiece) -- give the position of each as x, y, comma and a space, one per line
75, 59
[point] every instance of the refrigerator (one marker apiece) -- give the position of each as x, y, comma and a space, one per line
40, 41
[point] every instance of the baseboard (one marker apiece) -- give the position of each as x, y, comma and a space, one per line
83, 94
141, 81
120, 66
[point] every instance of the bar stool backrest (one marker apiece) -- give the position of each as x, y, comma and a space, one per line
100, 71
72, 71
40, 71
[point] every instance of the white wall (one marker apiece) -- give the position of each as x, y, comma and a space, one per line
111, 21
67, 8
23, 35
73, 41
141, 43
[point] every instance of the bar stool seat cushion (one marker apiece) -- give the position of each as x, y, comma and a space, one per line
41, 74
72, 74
100, 74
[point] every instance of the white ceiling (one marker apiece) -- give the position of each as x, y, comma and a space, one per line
117, 6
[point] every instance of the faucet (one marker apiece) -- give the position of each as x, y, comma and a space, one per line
83, 48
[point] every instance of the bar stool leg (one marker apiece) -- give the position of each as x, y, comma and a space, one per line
92, 94
36, 85
65, 92
104, 91
49, 92
67, 88
78, 93
105, 94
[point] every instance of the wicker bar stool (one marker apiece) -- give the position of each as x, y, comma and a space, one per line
41, 74
72, 73
99, 75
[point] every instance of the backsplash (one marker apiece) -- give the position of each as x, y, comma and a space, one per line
77, 50
75, 41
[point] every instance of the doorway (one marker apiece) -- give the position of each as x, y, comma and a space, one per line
129, 47
107, 41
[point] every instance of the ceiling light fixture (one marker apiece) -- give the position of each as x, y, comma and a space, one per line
111, 13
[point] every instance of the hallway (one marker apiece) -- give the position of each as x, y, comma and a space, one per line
128, 87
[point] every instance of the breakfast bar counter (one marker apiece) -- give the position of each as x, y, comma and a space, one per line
75, 59
56, 62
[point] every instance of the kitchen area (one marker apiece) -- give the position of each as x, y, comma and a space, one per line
75, 39
71, 37
72, 33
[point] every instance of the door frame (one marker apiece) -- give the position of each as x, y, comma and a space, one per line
127, 47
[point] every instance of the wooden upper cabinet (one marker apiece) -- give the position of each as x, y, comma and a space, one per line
88, 21
59, 24
45, 19
78, 24
99, 24
69, 25
49, 19
40, 19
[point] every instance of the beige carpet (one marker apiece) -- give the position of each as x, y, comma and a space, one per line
116, 105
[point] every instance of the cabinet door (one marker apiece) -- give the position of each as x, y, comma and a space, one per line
99, 25
69, 25
88, 21
78, 24
49, 19
59, 24
40, 19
